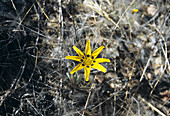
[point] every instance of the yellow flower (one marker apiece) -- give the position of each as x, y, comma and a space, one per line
88, 60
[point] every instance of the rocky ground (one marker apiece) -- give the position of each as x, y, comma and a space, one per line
36, 35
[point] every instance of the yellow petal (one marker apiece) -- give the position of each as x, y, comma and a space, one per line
99, 67
79, 52
96, 52
87, 73
75, 58
134, 10
100, 60
77, 68
88, 49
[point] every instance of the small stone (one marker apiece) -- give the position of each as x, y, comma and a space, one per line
151, 10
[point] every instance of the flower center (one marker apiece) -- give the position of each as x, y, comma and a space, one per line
88, 61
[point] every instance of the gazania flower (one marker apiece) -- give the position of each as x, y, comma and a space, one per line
88, 60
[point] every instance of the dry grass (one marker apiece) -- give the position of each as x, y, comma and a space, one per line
35, 37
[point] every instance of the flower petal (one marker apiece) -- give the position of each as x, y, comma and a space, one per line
75, 58
88, 49
100, 60
99, 67
97, 51
79, 52
77, 68
87, 73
